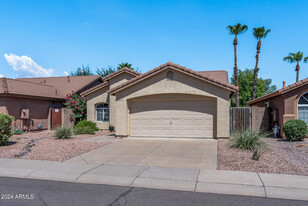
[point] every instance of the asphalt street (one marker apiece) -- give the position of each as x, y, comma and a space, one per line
15, 192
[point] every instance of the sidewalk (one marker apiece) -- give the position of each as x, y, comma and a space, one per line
209, 181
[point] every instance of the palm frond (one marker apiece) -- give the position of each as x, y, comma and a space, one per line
237, 29
260, 32
289, 59
266, 33
306, 59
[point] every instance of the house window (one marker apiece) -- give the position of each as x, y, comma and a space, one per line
302, 108
102, 113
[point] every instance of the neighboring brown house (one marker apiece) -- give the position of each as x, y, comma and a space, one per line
289, 102
39, 101
167, 101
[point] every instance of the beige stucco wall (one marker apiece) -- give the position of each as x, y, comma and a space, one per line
182, 84
101, 96
98, 97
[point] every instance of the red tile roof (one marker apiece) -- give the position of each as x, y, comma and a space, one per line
65, 84
24, 88
220, 75
281, 91
221, 82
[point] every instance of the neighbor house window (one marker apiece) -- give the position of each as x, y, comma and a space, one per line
302, 108
102, 113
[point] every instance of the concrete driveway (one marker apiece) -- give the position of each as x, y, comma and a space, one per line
162, 152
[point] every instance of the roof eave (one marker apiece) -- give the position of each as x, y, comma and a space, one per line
94, 89
31, 96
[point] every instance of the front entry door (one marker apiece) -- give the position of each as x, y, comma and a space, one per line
56, 118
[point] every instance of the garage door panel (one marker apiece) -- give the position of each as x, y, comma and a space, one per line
172, 118
188, 122
145, 121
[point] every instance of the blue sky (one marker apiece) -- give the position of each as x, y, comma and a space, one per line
62, 35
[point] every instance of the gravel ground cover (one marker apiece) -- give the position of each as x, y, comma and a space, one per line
283, 157
43, 146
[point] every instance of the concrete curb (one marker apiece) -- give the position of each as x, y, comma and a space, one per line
195, 180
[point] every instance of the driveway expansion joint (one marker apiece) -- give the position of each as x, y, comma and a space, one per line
88, 171
84, 159
149, 153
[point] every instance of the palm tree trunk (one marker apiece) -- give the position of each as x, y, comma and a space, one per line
255, 71
236, 72
297, 71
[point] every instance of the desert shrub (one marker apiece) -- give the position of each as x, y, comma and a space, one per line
63, 132
85, 123
84, 130
248, 140
295, 130
258, 152
5, 128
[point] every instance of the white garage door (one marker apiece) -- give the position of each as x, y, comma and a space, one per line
172, 118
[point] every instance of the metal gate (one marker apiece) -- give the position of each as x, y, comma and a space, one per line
240, 118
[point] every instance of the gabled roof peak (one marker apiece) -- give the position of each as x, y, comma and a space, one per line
176, 67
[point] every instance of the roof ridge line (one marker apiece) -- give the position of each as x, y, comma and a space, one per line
56, 77
47, 85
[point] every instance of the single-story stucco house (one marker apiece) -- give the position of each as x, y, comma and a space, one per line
289, 102
38, 102
167, 101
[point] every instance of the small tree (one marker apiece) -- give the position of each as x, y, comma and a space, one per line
78, 105
105, 71
245, 82
5, 128
82, 71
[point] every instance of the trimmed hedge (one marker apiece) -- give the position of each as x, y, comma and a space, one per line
5, 128
85, 127
295, 130
86, 123
84, 130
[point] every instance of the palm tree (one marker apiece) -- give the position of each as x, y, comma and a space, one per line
259, 33
122, 65
295, 57
236, 30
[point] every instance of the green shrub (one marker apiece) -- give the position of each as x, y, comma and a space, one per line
84, 130
63, 132
248, 140
5, 128
87, 124
295, 130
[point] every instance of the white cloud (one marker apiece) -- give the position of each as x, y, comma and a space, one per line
26, 67
66, 73
1, 76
